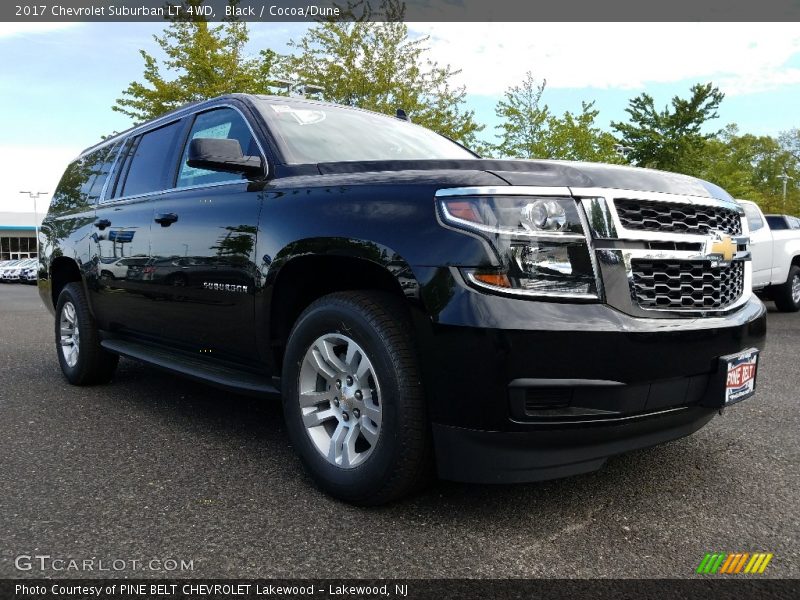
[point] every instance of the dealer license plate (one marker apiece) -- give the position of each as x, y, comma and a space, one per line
740, 381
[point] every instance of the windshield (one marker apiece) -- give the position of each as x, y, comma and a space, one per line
311, 133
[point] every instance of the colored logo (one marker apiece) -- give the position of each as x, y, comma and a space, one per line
726, 564
723, 246
741, 375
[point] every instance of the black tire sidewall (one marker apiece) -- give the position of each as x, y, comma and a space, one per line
361, 481
793, 272
783, 295
94, 365
68, 294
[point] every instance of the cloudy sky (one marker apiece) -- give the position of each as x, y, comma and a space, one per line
58, 81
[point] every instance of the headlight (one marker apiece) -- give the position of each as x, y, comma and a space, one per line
541, 243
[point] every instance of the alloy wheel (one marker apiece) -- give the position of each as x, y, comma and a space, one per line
340, 400
70, 334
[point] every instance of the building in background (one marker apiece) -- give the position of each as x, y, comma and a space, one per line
17, 235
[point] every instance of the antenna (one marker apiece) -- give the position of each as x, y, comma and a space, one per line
401, 114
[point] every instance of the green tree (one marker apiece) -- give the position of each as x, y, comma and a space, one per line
202, 60
670, 139
577, 137
528, 129
749, 167
523, 120
377, 66
790, 142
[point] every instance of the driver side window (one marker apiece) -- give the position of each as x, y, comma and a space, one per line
223, 123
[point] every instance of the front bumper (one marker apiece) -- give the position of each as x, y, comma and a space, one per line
475, 456
521, 390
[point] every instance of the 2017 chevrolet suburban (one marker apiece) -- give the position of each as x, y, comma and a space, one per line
416, 307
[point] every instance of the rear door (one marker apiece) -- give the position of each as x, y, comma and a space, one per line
143, 169
203, 243
760, 245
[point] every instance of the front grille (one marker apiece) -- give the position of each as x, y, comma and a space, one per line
647, 215
691, 284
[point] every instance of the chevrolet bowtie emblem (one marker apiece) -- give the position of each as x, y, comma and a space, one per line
724, 247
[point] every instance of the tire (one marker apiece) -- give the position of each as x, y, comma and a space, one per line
787, 295
390, 454
83, 361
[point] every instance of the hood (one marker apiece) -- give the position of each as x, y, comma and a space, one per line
552, 173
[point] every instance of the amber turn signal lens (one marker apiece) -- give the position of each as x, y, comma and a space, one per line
495, 279
463, 210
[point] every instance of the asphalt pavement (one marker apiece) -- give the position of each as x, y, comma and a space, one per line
156, 468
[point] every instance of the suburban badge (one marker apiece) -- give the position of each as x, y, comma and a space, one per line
225, 287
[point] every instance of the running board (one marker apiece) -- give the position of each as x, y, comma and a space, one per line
193, 367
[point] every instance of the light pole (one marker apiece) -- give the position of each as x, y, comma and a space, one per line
35, 196
785, 177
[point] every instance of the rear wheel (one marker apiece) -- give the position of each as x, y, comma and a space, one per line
353, 401
82, 360
787, 295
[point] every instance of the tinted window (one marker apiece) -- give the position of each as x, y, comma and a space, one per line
152, 161
313, 133
115, 185
83, 180
223, 123
754, 220
777, 222
101, 170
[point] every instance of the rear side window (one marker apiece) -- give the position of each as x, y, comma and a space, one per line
777, 222
99, 167
224, 123
754, 220
151, 161
83, 180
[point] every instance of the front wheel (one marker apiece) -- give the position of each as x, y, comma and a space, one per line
787, 295
353, 400
80, 355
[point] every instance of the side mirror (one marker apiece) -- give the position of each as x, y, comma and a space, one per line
220, 154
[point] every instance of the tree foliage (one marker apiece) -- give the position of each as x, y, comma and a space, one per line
671, 139
749, 167
378, 66
529, 130
523, 120
578, 137
202, 60
371, 61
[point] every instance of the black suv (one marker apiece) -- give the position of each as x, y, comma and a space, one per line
416, 306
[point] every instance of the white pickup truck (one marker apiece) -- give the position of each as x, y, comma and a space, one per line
776, 257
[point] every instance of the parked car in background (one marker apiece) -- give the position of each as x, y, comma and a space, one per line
775, 245
6, 269
13, 273
30, 273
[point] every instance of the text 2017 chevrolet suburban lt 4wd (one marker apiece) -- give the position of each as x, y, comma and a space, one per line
415, 305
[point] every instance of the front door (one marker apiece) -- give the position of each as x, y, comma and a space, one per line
203, 242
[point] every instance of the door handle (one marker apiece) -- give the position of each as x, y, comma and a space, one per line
166, 219
102, 223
